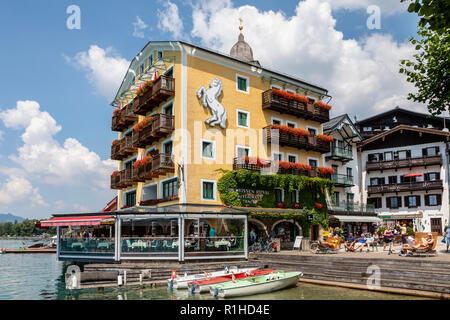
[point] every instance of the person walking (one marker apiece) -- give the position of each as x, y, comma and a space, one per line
447, 234
388, 239
403, 233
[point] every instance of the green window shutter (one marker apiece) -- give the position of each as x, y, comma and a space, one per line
242, 84
208, 190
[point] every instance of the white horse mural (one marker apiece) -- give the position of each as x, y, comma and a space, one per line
210, 96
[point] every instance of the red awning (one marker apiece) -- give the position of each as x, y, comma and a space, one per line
110, 205
412, 175
74, 221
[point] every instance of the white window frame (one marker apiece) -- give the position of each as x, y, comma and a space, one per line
292, 155
237, 118
282, 194
213, 149
150, 185
160, 190
148, 150
124, 200
277, 119
273, 154
237, 83
164, 142
291, 122
166, 104
276, 87
157, 55
291, 91
312, 158
314, 98
315, 128
240, 146
214, 182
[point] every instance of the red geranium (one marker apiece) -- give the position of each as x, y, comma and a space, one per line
324, 138
116, 112
325, 170
143, 88
142, 162
290, 96
114, 173
318, 205
290, 130
322, 105
143, 124
115, 142
281, 205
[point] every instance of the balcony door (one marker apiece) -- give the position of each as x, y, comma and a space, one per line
436, 225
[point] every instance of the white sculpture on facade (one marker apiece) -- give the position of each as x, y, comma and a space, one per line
210, 97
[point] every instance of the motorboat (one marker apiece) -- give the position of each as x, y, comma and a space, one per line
256, 285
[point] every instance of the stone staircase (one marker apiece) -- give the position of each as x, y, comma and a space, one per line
431, 276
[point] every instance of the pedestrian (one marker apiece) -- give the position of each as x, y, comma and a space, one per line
403, 233
252, 236
212, 233
387, 236
447, 234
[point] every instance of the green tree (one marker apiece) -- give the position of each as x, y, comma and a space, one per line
429, 70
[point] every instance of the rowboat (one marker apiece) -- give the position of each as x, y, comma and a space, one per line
256, 285
182, 282
203, 285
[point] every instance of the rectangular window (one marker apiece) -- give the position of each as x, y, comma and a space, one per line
150, 61
242, 83
376, 202
160, 55
242, 152
170, 188
394, 202
312, 131
349, 172
366, 129
294, 196
168, 109
292, 158
277, 156
276, 121
335, 168
387, 156
278, 195
430, 152
242, 118
336, 198
433, 199
412, 201
432, 176
167, 147
375, 157
208, 149
130, 198
290, 124
392, 179
313, 163
208, 190
402, 155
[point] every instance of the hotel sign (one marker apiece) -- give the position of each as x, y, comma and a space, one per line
249, 196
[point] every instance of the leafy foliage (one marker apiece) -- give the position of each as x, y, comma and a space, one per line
24, 228
434, 14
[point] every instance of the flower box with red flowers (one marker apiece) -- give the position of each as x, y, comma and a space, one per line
324, 138
322, 105
143, 124
144, 87
116, 112
290, 130
114, 173
290, 96
297, 206
325, 170
144, 161
281, 205
254, 161
115, 142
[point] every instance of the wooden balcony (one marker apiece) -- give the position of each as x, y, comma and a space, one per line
124, 118
406, 187
122, 179
313, 173
123, 149
308, 111
162, 89
404, 163
300, 142
161, 126
160, 164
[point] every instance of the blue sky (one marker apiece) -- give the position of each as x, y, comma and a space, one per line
39, 63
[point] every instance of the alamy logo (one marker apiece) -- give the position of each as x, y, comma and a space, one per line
374, 280
74, 20
210, 99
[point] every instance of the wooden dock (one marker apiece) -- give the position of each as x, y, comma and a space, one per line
29, 250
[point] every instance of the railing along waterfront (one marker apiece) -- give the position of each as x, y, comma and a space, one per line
161, 89
404, 163
281, 104
353, 207
160, 126
123, 148
300, 142
342, 179
406, 186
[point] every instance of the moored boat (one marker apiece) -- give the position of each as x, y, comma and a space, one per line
201, 286
182, 282
256, 285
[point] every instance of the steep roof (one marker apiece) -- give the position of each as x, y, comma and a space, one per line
348, 131
397, 110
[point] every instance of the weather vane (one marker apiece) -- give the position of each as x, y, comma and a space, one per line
240, 26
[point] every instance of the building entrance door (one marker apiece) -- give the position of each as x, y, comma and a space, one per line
436, 225
315, 232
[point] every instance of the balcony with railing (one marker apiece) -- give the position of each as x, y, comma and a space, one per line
350, 207
122, 148
340, 154
309, 111
404, 163
123, 118
342, 180
160, 126
406, 187
122, 179
161, 89
307, 143
266, 166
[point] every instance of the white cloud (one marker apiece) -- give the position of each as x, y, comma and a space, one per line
18, 189
42, 156
139, 27
359, 75
387, 7
169, 20
104, 69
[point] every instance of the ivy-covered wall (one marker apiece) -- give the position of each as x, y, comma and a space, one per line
311, 192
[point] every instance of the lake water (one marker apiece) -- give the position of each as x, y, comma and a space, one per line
40, 277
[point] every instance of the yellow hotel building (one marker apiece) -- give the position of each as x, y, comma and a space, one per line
188, 151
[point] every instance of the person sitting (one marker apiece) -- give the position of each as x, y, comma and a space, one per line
350, 242
330, 243
409, 242
361, 242
370, 241
427, 243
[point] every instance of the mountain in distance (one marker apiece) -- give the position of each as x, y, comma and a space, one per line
8, 217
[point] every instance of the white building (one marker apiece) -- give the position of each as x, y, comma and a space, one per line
405, 176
